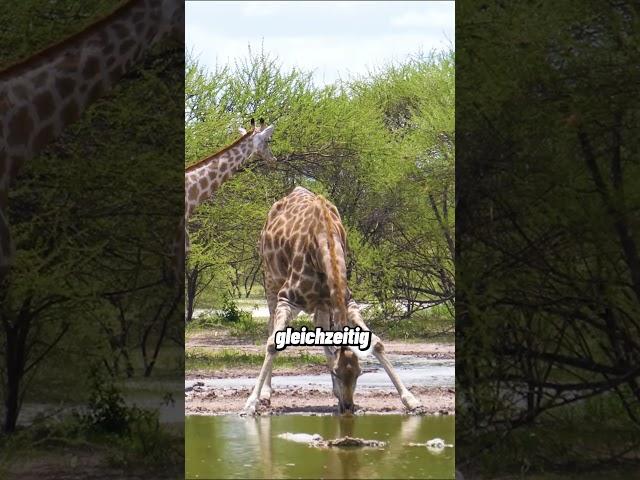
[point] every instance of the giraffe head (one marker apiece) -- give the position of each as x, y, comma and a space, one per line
260, 140
345, 370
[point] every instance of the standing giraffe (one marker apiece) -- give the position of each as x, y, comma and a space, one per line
43, 94
303, 247
202, 179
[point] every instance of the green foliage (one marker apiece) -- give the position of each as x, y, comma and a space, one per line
106, 408
380, 147
231, 314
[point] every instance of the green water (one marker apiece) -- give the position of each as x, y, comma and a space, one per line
235, 447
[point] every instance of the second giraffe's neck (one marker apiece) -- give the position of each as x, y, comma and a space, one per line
204, 178
40, 96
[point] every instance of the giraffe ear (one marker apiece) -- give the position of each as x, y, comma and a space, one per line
267, 132
242, 131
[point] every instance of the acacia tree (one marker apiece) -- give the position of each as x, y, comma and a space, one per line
381, 148
548, 304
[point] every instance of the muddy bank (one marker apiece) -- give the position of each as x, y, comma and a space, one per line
426, 368
218, 340
208, 401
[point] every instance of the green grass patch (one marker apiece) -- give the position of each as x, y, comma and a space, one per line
422, 326
199, 359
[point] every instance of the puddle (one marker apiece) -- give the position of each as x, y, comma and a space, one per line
235, 447
413, 371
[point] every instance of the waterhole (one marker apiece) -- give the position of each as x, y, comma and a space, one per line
236, 447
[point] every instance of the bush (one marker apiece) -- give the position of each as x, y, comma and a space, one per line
230, 313
107, 411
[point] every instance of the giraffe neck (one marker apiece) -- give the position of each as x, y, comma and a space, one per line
43, 94
203, 179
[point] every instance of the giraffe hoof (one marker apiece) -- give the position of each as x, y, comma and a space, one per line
411, 402
248, 410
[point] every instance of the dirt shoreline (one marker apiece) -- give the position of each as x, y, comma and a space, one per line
302, 401
204, 399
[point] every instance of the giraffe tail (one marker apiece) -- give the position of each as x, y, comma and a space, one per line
333, 261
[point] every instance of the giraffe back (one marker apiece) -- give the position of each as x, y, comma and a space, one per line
296, 253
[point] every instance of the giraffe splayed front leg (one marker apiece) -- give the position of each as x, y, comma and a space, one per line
408, 399
265, 393
284, 314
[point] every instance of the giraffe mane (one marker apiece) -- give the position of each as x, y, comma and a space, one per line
26, 62
199, 163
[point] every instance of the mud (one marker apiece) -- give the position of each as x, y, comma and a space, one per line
426, 368
206, 401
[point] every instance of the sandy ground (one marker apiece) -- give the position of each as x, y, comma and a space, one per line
208, 400
203, 401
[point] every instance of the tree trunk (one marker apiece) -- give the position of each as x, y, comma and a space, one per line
13, 381
16, 336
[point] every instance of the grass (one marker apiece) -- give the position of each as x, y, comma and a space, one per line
199, 359
432, 325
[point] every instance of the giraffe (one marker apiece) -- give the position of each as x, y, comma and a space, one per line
303, 248
41, 95
202, 179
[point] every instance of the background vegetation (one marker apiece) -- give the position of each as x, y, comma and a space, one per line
548, 284
88, 318
380, 147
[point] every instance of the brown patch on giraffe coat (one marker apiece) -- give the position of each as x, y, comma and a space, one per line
126, 46
306, 285
283, 264
95, 91
44, 104
297, 262
70, 112
91, 68
121, 30
20, 124
65, 86
43, 137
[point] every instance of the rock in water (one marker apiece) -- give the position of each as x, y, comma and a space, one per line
435, 444
301, 437
354, 442
317, 441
